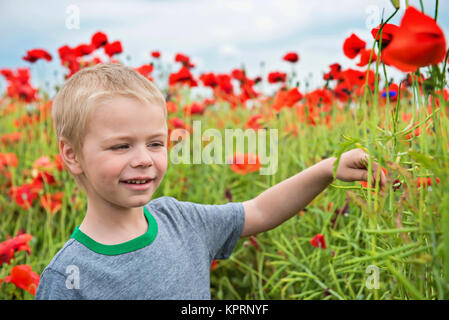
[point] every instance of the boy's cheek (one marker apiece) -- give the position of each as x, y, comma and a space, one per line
161, 163
164, 166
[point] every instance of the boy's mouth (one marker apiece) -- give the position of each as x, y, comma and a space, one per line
136, 181
141, 185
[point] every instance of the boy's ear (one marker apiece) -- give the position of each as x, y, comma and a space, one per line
69, 157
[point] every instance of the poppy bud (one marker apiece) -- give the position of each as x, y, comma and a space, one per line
396, 4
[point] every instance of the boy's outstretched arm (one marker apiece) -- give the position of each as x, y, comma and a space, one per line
282, 201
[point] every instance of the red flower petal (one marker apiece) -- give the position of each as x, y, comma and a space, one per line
245, 163
291, 57
365, 55
352, 46
99, 39
318, 241
10, 246
418, 42
24, 278
35, 54
113, 48
276, 76
387, 33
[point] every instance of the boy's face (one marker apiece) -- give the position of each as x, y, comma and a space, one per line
108, 160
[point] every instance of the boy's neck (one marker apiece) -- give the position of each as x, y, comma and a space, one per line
112, 226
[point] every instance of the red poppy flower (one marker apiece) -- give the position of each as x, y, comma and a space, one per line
113, 48
353, 78
421, 181
11, 138
276, 76
43, 177
185, 60
99, 39
24, 195
319, 98
145, 70
43, 162
83, 50
52, 203
254, 122
155, 54
11, 246
59, 162
7, 73
194, 108
291, 57
387, 33
365, 55
352, 46
209, 102
69, 59
64, 53
245, 163
179, 57
8, 159
35, 54
24, 278
286, 98
318, 241
19, 86
209, 79
214, 265
177, 123
171, 107
238, 74
247, 90
341, 92
334, 72
225, 84
418, 42
183, 76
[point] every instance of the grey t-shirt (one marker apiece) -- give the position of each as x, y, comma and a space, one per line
171, 261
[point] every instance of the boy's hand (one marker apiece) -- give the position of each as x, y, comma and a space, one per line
353, 166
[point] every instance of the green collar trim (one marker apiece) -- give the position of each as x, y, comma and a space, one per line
125, 247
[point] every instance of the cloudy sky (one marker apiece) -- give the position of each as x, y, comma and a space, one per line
218, 35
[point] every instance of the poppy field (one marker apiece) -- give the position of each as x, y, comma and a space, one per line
353, 241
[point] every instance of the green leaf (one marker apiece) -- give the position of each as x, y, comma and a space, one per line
427, 161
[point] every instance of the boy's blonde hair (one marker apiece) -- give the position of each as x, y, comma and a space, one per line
77, 99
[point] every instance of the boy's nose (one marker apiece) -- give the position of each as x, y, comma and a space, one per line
142, 158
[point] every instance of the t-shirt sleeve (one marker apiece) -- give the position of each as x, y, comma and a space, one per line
52, 286
220, 226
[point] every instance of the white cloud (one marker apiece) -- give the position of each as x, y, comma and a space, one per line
228, 50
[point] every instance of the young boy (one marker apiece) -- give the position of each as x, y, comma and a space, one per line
112, 135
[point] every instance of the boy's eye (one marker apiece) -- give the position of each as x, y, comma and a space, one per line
119, 147
156, 144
